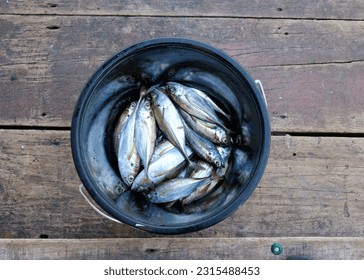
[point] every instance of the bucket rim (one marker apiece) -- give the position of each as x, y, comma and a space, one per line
104, 202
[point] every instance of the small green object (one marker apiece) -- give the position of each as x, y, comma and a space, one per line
276, 249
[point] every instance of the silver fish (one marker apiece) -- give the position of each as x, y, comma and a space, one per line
210, 131
184, 173
211, 103
203, 172
173, 189
169, 120
125, 115
201, 191
145, 132
192, 103
203, 147
161, 148
212, 201
105, 176
128, 157
166, 167
225, 153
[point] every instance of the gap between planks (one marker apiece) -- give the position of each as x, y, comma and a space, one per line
312, 186
184, 248
273, 133
186, 16
215, 8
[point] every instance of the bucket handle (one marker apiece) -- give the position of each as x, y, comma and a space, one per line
261, 89
82, 190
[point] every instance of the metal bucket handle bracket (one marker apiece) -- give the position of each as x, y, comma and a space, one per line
86, 197
261, 89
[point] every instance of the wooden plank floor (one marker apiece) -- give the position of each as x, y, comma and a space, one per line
310, 58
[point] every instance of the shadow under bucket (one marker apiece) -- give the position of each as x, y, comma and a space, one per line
118, 82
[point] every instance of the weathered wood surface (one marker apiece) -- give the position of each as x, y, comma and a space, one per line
310, 198
332, 9
311, 70
175, 248
312, 186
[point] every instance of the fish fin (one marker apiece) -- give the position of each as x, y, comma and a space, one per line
170, 204
215, 176
193, 166
195, 100
211, 103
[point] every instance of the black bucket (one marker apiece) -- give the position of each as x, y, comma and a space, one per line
118, 81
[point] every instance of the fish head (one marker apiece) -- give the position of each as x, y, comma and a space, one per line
129, 179
119, 188
147, 104
156, 92
226, 139
153, 94
152, 195
217, 159
222, 137
143, 91
173, 88
130, 109
218, 162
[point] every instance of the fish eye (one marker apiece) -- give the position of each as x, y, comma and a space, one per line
118, 190
147, 105
217, 163
130, 178
224, 140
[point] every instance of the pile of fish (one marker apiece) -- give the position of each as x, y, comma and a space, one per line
172, 144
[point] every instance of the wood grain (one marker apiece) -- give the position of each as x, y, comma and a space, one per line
314, 98
45, 61
332, 9
312, 186
175, 248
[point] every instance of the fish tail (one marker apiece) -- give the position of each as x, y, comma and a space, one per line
147, 172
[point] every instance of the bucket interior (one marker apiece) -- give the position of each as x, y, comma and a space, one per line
118, 82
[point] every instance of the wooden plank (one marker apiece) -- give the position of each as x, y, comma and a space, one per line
43, 70
312, 186
183, 248
333, 9
314, 98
